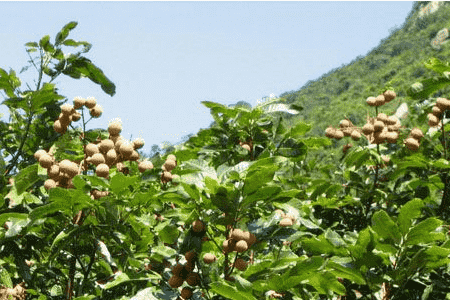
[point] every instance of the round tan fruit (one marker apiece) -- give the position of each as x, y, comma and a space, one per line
209, 258
189, 266
126, 149
433, 120
138, 143
389, 95
53, 172
171, 157
119, 142
105, 145
286, 222
347, 131
392, 120
380, 100
175, 281
91, 149
115, 128
251, 240
145, 165
49, 184
416, 133
67, 109
90, 102
240, 264
385, 158
97, 159
169, 165
356, 135
329, 132
241, 246
368, 129
237, 234
198, 226
176, 270
228, 245
193, 279
344, 123
39, 153
96, 111
78, 102
436, 111
371, 101
65, 120
392, 137
111, 156
58, 127
186, 293
134, 156
166, 176
382, 117
190, 255
246, 147
102, 170
380, 137
443, 103
76, 116
338, 134
290, 216
378, 126
46, 161
412, 144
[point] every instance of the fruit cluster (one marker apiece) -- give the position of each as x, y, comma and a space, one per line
239, 241
169, 165
60, 174
382, 99
185, 272
69, 113
441, 105
382, 129
286, 219
413, 140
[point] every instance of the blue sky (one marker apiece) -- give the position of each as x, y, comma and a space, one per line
167, 57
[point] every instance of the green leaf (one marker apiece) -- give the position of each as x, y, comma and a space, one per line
436, 65
411, 210
83, 67
426, 87
243, 285
123, 277
344, 272
26, 178
383, 225
256, 178
62, 35
45, 44
47, 209
32, 44
6, 216
169, 234
320, 245
191, 190
164, 251
44, 96
72, 43
334, 238
266, 193
230, 292
299, 130
422, 233
437, 256
5, 278
119, 182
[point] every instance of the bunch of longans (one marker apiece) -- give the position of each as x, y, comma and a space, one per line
379, 130
104, 154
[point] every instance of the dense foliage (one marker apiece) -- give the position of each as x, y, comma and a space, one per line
245, 209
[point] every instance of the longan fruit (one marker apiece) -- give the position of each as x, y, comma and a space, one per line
97, 159
228, 245
329, 132
53, 172
189, 266
286, 222
91, 149
240, 264
115, 128
371, 101
58, 127
237, 234
119, 143
251, 240
368, 129
105, 146
389, 95
175, 281
96, 111
443, 104
193, 279
126, 149
246, 147
241, 246
171, 157
166, 176
378, 126
379, 137
412, 144
198, 226
39, 153
186, 293
46, 161
416, 133
138, 143
392, 137
90, 102
382, 117
436, 111
209, 258
111, 156
145, 165
49, 184
102, 170
379, 100
347, 131
76, 116
176, 270
65, 120
433, 120
134, 156
169, 165
338, 134
392, 120
344, 124
67, 109
78, 102
356, 135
